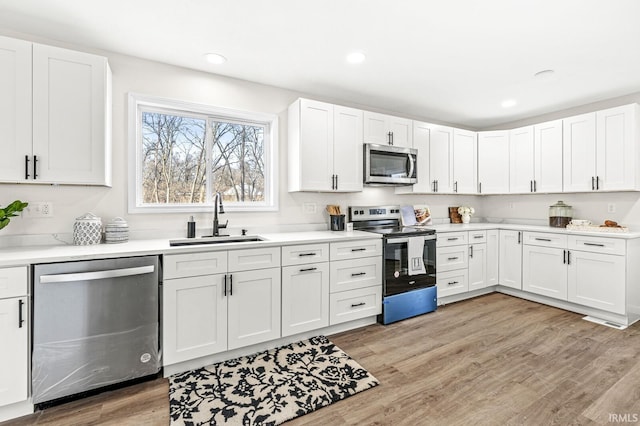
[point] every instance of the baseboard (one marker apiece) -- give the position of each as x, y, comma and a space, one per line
19, 409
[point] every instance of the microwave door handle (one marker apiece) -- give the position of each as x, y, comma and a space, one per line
411, 165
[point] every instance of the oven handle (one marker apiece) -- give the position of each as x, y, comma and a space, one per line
406, 240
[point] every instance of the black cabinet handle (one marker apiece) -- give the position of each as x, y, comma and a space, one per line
358, 274
20, 316
530, 186
225, 286
535, 186
306, 254
593, 180
455, 186
437, 186
358, 249
452, 282
542, 239
355, 305
594, 244
35, 163
519, 237
452, 258
568, 257
26, 167
479, 187
452, 238
230, 285
308, 269
597, 182
336, 182
564, 257
471, 251
477, 236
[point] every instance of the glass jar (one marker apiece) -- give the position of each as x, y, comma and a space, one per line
560, 215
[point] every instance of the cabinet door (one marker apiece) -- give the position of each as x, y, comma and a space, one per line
548, 157
376, 128
421, 139
493, 162
254, 307
194, 320
579, 153
347, 148
465, 160
14, 373
477, 266
521, 160
71, 116
544, 271
492, 257
305, 298
401, 131
597, 280
617, 153
311, 157
510, 260
441, 159
15, 108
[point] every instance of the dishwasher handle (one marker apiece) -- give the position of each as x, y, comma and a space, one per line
97, 275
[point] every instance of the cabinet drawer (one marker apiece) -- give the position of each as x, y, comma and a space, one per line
597, 244
447, 239
195, 264
13, 282
544, 239
452, 282
355, 249
354, 304
477, 237
305, 253
260, 258
450, 258
357, 273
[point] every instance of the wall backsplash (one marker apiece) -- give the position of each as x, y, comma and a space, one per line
146, 77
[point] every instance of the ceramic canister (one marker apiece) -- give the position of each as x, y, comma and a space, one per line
87, 230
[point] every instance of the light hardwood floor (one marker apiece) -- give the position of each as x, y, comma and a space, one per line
493, 360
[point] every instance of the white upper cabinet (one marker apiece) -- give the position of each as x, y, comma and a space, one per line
493, 162
57, 119
387, 129
421, 142
535, 160
521, 160
441, 159
600, 150
465, 160
548, 157
325, 147
15, 107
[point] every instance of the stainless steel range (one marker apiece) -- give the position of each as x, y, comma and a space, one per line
409, 262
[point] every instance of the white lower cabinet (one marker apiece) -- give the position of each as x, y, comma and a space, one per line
544, 271
597, 280
354, 304
210, 306
14, 335
477, 266
510, 259
452, 282
493, 252
305, 297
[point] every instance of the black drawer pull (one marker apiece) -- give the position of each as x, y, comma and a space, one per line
306, 254
359, 249
358, 274
594, 244
230, 285
308, 269
478, 236
20, 316
543, 239
452, 282
452, 238
355, 305
26, 167
452, 258
35, 165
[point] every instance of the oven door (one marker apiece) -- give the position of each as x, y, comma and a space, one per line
396, 265
389, 165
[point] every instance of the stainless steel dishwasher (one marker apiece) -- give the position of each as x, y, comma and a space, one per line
95, 323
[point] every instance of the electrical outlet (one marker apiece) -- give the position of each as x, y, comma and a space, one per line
309, 208
37, 209
611, 208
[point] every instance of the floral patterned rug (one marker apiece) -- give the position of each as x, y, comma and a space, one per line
267, 388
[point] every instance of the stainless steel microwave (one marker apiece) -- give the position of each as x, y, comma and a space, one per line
389, 165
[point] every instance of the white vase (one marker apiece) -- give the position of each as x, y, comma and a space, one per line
466, 218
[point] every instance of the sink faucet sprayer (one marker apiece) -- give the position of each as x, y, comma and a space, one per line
217, 200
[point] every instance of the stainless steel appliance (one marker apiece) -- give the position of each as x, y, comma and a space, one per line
95, 323
408, 290
389, 165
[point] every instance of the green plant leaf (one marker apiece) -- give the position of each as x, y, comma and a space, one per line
4, 222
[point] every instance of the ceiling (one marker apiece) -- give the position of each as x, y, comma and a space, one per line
453, 61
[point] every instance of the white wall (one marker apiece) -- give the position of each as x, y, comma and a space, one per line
146, 77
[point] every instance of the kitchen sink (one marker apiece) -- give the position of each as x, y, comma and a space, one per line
215, 240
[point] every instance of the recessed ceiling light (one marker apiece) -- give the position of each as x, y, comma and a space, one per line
215, 58
508, 103
545, 75
356, 57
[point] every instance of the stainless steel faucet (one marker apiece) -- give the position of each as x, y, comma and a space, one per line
217, 201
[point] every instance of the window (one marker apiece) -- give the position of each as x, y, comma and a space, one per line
183, 154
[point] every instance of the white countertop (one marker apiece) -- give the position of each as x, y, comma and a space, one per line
64, 252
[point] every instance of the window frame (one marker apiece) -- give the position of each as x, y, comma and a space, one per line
139, 103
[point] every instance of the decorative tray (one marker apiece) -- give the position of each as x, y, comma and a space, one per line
596, 228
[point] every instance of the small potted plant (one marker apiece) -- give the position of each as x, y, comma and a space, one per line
466, 212
10, 211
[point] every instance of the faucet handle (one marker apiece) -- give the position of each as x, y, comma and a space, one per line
225, 224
